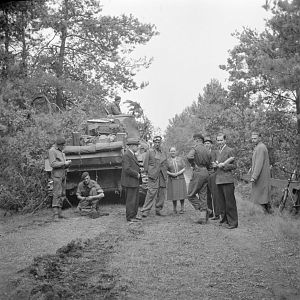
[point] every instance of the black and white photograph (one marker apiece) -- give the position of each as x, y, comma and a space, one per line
150, 149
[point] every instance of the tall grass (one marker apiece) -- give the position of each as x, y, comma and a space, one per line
282, 225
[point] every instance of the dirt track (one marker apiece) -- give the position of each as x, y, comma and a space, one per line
169, 257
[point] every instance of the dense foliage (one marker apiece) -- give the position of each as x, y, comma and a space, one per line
60, 63
263, 93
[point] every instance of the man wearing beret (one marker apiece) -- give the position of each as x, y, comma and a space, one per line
155, 166
130, 179
88, 193
200, 160
59, 164
115, 106
212, 191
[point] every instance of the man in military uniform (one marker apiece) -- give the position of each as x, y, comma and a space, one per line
88, 193
59, 164
155, 166
200, 160
115, 106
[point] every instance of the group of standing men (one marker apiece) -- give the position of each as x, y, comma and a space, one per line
155, 166
213, 170
211, 187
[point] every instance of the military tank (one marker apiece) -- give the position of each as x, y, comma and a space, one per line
99, 151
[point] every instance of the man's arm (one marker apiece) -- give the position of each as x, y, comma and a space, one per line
229, 164
54, 163
258, 164
78, 192
146, 161
191, 156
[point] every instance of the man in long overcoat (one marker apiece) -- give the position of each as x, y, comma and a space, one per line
225, 183
260, 174
130, 179
155, 166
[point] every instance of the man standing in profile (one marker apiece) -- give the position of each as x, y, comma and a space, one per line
225, 183
200, 160
155, 166
260, 174
130, 180
212, 189
59, 164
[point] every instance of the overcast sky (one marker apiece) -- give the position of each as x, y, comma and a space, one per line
195, 36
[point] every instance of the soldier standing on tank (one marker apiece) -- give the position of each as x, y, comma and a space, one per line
115, 106
59, 164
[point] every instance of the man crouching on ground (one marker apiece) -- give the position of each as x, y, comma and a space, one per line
89, 193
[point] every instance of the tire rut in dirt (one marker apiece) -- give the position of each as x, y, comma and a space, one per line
77, 271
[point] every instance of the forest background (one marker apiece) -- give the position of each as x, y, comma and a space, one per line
71, 57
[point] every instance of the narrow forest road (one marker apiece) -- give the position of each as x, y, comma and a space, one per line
169, 257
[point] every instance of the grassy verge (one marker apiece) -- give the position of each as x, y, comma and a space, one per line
283, 225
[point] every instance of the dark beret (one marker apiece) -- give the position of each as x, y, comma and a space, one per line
60, 140
198, 136
84, 174
208, 139
157, 138
133, 141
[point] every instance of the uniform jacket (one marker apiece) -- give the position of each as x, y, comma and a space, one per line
57, 161
199, 156
84, 189
130, 170
260, 172
224, 174
155, 163
115, 109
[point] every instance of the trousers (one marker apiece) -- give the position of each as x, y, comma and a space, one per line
155, 193
87, 203
212, 195
227, 202
59, 191
197, 191
132, 202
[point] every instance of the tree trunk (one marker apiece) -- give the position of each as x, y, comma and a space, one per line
60, 64
298, 126
24, 50
4, 73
